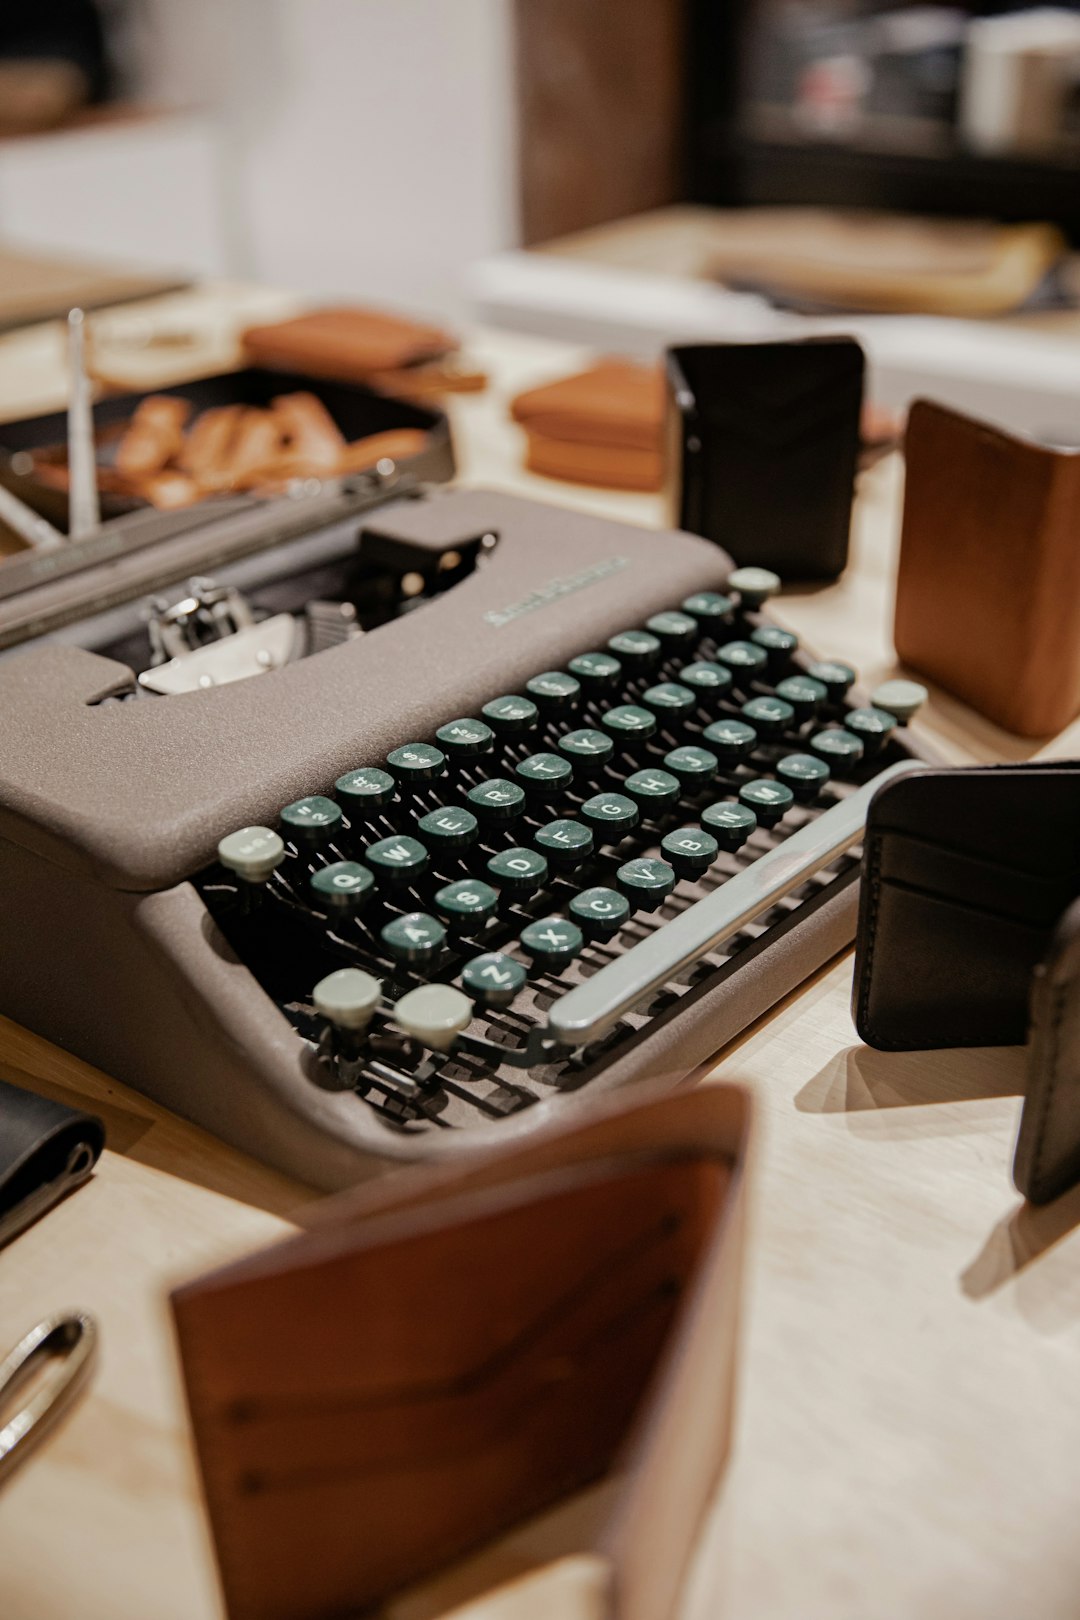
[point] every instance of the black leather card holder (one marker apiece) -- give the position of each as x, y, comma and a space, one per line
966, 873
766, 451
46, 1150
969, 935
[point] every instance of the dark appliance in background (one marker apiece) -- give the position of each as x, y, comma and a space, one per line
859, 104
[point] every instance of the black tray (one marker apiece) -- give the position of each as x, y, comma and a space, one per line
356, 410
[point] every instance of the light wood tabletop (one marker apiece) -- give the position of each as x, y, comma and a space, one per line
908, 1441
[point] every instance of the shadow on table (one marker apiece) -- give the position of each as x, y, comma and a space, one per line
1047, 1296
862, 1080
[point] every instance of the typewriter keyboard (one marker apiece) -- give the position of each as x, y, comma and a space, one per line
486, 915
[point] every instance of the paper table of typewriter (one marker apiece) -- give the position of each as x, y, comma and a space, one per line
573, 822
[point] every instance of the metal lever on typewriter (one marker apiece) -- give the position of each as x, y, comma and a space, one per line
211, 637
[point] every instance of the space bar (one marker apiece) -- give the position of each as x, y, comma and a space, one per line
590, 1010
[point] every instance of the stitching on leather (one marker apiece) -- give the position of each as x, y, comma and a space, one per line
1049, 1091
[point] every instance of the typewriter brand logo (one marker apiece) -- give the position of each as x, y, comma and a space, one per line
554, 591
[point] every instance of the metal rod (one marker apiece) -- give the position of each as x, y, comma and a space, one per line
37, 531
85, 513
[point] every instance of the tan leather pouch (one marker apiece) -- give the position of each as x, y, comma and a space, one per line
349, 344
456, 1348
615, 402
988, 592
607, 466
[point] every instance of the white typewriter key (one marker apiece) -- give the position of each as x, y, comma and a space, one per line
347, 998
435, 1014
754, 585
252, 853
899, 698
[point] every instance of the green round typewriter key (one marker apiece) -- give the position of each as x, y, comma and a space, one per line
732, 739
613, 812
511, 714
638, 649
694, 767
839, 748
462, 739
365, 790
467, 901
312, 821
768, 715
565, 843
743, 658
413, 938
554, 691
551, 943
646, 883
872, 726
587, 747
416, 762
629, 722
497, 800
544, 774
434, 1014
805, 695
901, 698
804, 774
675, 630
398, 859
768, 800
670, 700
448, 827
754, 585
595, 670
730, 824
707, 679
494, 978
709, 608
518, 871
599, 912
690, 850
835, 677
653, 790
343, 887
778, 644
252, 853
349, 998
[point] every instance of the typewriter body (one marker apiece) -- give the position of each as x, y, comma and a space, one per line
561, 813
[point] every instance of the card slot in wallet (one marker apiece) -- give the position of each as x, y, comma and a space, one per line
990, 887
436, 1359
963, 979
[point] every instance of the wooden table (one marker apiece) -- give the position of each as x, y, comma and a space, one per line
909, 1434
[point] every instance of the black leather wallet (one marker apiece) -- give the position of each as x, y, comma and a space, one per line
967, 874
766, 449
46, 1150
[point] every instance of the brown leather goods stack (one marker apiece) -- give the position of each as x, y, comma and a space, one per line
454, 1348
603, 426
388, 352
988, 593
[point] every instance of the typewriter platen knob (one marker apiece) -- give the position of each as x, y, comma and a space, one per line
899, 698
252, 853
434, 1014
754, 585
347, 998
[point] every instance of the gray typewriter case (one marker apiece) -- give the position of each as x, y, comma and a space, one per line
106, 810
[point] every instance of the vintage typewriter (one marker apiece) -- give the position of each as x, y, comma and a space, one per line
562, 810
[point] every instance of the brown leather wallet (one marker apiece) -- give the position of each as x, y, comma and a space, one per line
455, 1348
988, 593
602, 426
349, 344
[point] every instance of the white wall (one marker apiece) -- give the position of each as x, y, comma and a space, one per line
366, 147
